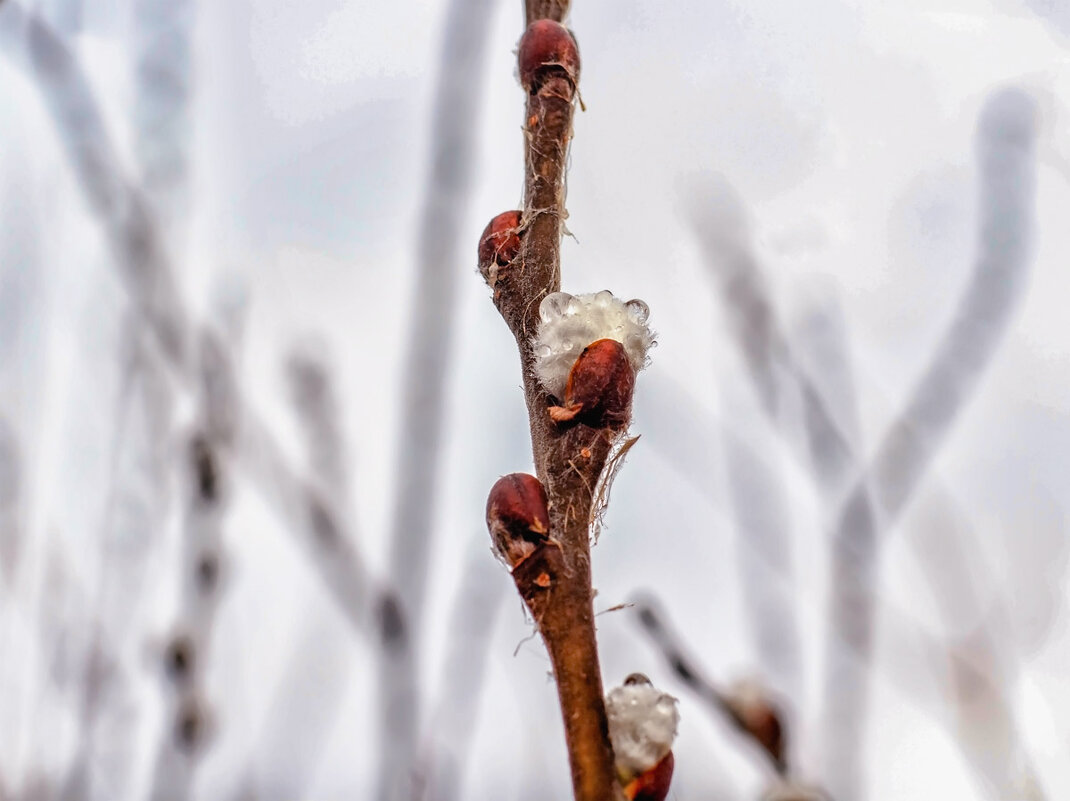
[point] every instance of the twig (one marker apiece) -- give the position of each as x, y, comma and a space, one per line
185, 656
126, 218
688, 672
10, 492
763, 529
101, 672
293, 740
295, 717
325, 537
461, 679
162, 99
902, 634
312, 392
1005, 153
980, 671
149, 278
427, 361
943, 389
834, 459
555, 580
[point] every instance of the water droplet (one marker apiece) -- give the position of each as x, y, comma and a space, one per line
543, 351
555, 305
638, 310
603, 298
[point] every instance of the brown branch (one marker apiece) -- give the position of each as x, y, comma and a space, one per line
559, 596
555, 581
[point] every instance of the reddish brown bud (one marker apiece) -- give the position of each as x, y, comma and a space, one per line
499, 244
600, 386
653, 785
546, 48
517, 516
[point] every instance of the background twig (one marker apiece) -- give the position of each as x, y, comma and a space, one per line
457, 97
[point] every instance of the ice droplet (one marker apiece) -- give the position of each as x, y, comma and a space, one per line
638, 310
555, 305
666, 705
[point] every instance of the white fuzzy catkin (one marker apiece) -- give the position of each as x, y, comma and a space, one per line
642, 726
569, 323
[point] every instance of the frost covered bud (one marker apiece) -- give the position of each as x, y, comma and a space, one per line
642, 727
517, 516
546, 48
499, 245
599, 388
570, 325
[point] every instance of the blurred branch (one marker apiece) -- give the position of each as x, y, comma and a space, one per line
185, 658
136, 503
10, 492
763, 727
1006, 134
439, 227
957, 667
297, 719
462, 678
149, 277
326, 539
763, 533
312, 392
981, 668
901, 461
301, 718
122, 211
162, 33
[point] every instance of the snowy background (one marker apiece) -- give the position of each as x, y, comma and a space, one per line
283, 152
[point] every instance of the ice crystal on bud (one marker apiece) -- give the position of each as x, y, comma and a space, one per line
569, 323
642, 725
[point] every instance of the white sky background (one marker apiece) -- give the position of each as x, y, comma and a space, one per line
848, 130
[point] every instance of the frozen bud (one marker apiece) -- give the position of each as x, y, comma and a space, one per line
546, 48
757, 715
517, 516
599, 387
499, 245
569, 323
642, 727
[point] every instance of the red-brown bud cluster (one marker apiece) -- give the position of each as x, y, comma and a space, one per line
517, 516
653, 785
600, 387
546, 48
499, 244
